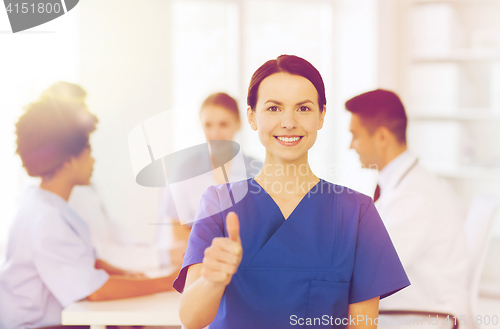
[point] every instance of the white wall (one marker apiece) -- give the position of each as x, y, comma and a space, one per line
125, 69
357, 55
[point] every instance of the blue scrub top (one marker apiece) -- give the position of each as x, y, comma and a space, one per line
50, 263
333, 250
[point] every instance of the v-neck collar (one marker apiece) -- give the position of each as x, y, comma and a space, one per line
298, 204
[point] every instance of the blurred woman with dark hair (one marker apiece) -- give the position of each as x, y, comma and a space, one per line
50, 259
111, 240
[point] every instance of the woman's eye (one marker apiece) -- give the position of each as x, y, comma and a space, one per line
273, 109
304, 109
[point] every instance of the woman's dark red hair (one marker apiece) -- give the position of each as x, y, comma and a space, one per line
287, 64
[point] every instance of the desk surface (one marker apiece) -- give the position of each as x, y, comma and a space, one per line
160, 309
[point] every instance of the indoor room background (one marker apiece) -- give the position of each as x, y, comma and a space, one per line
137, 59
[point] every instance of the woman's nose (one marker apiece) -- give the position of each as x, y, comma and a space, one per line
288, 120
213, 134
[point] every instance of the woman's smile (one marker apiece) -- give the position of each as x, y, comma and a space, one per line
288, 140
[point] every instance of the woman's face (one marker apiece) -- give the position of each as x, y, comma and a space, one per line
218, 123
287, 116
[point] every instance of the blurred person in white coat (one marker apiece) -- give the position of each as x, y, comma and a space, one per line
111, 240
420, 212
50, 261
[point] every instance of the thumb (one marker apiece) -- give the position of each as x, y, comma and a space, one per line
233, 226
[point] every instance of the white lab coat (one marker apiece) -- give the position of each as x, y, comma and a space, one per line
425, 223
50, 263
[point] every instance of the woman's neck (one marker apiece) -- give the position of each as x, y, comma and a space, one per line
57, 186
295, 175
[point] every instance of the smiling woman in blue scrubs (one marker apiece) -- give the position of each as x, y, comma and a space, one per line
296, 250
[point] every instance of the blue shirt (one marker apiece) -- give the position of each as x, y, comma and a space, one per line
50, 263
333, 250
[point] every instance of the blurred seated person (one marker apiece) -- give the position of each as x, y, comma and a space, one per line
220, 120
50, 261
420, 212
112, 241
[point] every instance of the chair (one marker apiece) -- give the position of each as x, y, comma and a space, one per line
477, 228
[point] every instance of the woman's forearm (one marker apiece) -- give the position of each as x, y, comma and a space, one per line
110, 269
123, 287
364, 313
207, 281
200, 303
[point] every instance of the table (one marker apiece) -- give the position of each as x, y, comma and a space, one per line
160, 309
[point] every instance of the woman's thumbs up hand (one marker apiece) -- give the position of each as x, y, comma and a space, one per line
223, 257
233, 227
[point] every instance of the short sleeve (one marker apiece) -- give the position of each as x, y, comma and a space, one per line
64, 261
377, 269
205, 229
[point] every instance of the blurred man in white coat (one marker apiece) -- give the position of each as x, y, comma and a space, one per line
420, 212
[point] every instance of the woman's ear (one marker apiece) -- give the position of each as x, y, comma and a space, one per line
322, 118
67, 167
251, 118
70, 164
